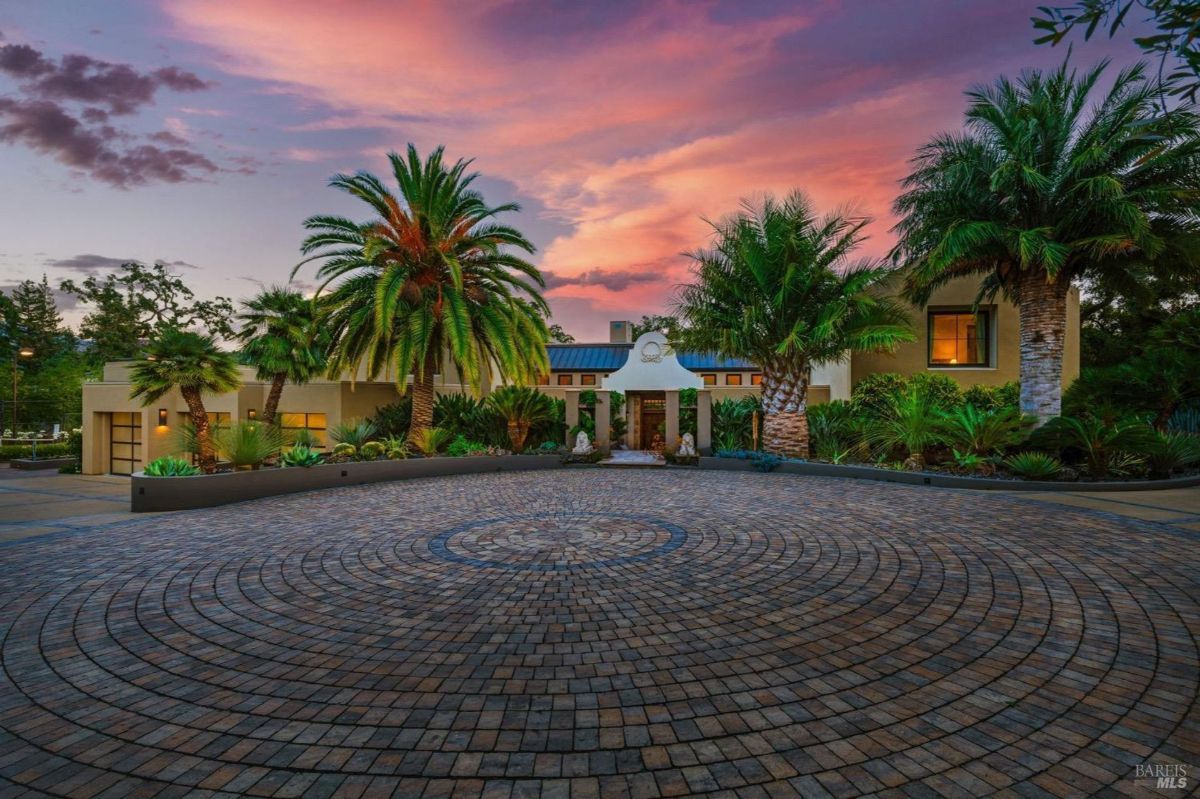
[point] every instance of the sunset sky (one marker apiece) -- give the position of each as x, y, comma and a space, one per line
201, 132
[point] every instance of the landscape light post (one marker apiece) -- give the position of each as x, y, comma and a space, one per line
18, 353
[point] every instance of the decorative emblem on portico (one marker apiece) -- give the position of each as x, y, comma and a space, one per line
652, 352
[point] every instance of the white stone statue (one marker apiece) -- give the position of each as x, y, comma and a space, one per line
687, 447
583, 446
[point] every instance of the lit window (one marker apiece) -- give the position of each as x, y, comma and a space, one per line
565, 380
756, 379
709, 380
733, 379
292, 423
958, 339
587, 380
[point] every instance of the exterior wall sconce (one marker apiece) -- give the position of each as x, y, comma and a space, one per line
252, 414
162, 417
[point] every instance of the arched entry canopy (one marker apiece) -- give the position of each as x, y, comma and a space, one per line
651, 366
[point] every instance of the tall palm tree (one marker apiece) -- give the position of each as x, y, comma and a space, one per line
431, 276
192, 363
282, 339
1047, 185
777, 288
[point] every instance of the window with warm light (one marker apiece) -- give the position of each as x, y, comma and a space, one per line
733, 379
709, 380
315, 423
756, 379
587, 380
566, 380
959, 338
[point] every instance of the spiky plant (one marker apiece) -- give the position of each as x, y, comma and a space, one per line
431, 440
1052, 180
911, 422
983, 432
1101, 443
193, 364
247, 444
282, 338
355, 432
1034, 465
433, 274
521, 408
777, 287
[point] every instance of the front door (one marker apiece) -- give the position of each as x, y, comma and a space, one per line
654, 422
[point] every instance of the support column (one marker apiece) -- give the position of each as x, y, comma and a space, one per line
603, 424
572, 400
704, 422
672, 435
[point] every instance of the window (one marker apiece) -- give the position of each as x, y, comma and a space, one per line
756, 379
587, 380
565, 380
958, 338
733, 379
291, 423
709, 380
543, 380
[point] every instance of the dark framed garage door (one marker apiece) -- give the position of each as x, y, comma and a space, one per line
125, 443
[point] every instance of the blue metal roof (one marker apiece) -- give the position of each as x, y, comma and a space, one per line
611, 357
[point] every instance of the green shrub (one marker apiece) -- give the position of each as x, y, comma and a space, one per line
994, 398
942, 390
983, 432
475, 419
300, 455
397, 453
372, 451
10, 452
170, 467
247, 444
972, 462
733, 422
461, 446
835, 431
875, 394
393, 419
1100, 444
303, 438
1168, 452
353, 431
1034, 465
911, 422
344, 451
431, 440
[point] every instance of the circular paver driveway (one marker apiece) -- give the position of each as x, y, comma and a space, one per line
600, 633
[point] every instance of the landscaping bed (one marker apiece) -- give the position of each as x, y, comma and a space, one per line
209, 490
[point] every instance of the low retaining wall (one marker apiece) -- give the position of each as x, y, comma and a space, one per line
40, 463
944, 480
209, 490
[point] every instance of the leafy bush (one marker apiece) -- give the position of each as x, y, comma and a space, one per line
874, 395
353, 431
461, 446
520, 408
247, 444
1098, 442
983, 432
397, 453
431, 440
170, 467
300, 455
372, 451
834, 430
10, 452
910, 421
942, 390
972, 462
393, 419
1168, 452
994, 398
1034, 465
733, 422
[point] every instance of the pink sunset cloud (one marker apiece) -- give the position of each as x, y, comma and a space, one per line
627, 123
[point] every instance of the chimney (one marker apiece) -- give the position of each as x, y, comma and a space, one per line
620, 333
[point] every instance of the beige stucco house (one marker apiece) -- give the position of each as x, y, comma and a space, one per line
120, 436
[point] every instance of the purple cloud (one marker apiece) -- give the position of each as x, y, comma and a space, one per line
611, 279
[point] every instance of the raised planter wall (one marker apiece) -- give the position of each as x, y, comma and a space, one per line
40, 463
209, 490
943, 480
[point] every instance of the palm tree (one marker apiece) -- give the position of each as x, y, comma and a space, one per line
1042, 189
192, 363
777, 288
521, 408
432, 276
282, 338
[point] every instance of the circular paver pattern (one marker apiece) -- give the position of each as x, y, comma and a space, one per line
602, 633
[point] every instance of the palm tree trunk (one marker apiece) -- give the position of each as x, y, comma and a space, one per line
1043, 309
199, 417
422, 404
268, 416
517, 433
785, 415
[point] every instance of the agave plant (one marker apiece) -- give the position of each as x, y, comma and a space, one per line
521, 408
984, 432
246, 445
1034, 465
910, 422
430, 440
300, 455
1166, 452
1101, 443
170, 467
355, 432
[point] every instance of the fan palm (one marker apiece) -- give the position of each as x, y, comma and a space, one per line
521, 408
431, 276
777, 288
282, 339
192, 363
1042, 189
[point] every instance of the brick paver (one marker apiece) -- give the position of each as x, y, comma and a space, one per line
597, 633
